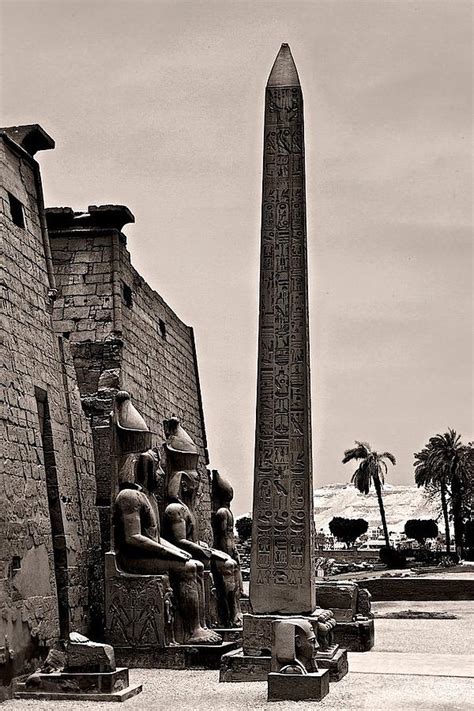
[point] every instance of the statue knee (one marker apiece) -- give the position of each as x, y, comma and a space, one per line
227, 571
199, 567
190, 567
230, 567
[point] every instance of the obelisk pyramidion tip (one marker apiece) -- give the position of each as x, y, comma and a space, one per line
284, 69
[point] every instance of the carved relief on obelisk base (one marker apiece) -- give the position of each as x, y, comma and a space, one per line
282, 571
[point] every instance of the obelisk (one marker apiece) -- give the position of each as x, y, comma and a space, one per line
282, 578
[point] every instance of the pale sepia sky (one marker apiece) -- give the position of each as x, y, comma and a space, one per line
158, 105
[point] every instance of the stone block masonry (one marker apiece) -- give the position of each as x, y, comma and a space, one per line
49, 528
80, 323
123, 336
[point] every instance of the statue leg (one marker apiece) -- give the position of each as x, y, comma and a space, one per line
187, 585
222, 596
237, 618
201, 592
228, 589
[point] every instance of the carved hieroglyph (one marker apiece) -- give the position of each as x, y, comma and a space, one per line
282, 571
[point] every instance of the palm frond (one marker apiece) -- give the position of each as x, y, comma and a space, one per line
362, 477
361, 451
389, 456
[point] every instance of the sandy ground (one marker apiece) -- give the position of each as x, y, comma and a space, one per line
190, 690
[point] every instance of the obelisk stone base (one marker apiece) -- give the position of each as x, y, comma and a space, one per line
257, 631
298, 687
253, 661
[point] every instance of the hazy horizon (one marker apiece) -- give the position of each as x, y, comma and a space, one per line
158, 105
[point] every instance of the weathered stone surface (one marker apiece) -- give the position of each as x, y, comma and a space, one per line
140, 345
341, 598
282, 568
74, 682
337, 665
184, 656
296, 687
355, 636
50, 531
134, 610
257, 630
89, 657
238, 667
364, 607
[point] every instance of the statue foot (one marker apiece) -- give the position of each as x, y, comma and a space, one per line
204, 636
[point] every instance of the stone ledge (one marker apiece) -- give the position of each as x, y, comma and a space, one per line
122, 695
398, 588
183, 656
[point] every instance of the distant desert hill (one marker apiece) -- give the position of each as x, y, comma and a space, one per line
401, 503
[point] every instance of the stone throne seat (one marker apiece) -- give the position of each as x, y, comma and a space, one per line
134, 611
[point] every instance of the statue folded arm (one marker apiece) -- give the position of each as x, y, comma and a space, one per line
129, 505
175, 518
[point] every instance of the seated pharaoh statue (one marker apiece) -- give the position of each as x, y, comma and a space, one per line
140, 549
179, 521
222, 521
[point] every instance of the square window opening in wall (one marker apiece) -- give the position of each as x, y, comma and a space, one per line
162, 327
16, 211
127, 295
15, 564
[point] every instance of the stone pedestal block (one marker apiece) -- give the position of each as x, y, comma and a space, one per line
298, 687
104, 686
89, 657
337, 665
237, 666
341, 598
183, 656
230, 634
356, 636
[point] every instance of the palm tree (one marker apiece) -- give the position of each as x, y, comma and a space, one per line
433, 482
445, 464
371, 470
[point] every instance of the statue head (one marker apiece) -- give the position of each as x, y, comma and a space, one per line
190, 485
221, 491
148, 470
294, 646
